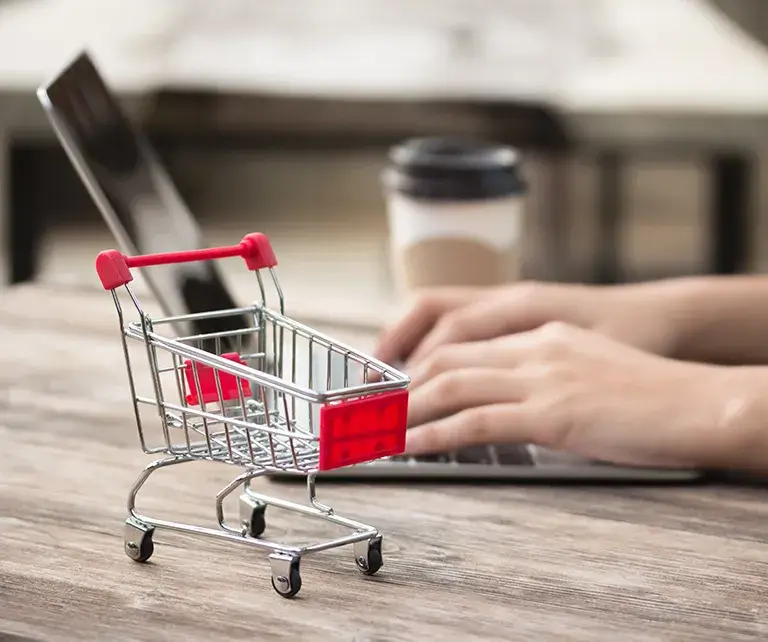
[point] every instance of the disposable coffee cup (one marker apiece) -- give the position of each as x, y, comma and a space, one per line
455, 212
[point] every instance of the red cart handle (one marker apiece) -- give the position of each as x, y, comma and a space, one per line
114, 268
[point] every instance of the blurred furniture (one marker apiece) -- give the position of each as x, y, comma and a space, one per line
179, 120
750, 16
595, 564
254, 75
682, 81
653, 77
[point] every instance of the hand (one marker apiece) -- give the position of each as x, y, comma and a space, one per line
636, 314
577, 391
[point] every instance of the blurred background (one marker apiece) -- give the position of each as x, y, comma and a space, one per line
642, 124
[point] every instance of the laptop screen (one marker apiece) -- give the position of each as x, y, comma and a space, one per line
132, 190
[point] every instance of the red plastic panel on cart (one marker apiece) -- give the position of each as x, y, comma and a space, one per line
207, 377
352, 432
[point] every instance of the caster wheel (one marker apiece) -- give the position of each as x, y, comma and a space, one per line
258, 522
368, 555
138, 540
252, 516
286, 576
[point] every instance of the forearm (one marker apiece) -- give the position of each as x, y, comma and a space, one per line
718, 319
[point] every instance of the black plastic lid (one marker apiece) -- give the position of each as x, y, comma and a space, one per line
444, 169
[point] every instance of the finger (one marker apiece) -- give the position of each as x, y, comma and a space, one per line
492, 424
459, 356
397, 342
481, 320
457, 390
500, 353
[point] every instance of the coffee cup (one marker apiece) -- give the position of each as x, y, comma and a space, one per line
456, 213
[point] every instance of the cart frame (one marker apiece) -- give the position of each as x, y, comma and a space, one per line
257, 431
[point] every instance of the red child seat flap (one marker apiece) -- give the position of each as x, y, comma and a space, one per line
207, 376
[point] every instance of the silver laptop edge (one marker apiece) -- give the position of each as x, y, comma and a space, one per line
140, 205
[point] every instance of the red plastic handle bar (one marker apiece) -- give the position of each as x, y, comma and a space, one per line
114, 268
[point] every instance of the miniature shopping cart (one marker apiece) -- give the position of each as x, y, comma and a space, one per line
272, 396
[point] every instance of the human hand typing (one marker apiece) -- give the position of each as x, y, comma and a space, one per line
574, 390
641, 315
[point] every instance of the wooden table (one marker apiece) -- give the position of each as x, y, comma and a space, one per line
463, 562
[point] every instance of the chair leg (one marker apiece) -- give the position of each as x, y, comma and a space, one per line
609, 211
730, 213
25, 220
5, 215
556, 215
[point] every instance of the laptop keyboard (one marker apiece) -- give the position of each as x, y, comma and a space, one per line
500, 455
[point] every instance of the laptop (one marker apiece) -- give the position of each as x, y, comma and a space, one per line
133, 192
146, 214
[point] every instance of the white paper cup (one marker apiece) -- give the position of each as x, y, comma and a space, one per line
455, 212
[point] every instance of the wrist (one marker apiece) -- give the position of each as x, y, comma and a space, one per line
684, 306
717, 319
659, 316
701, 318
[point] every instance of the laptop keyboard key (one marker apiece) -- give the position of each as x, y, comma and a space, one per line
513, 455
474, 455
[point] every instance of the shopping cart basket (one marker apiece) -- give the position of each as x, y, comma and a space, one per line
259, 397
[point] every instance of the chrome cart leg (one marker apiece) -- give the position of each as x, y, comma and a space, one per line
312, 491
139, 531
286, 575
252, 510
361, 532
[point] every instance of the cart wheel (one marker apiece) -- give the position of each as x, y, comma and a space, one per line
286, 577
258, 522
369, 560
252, 516
138, 540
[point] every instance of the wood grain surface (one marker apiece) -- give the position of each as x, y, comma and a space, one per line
463, 562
